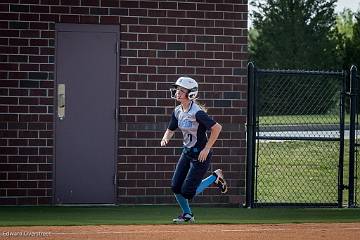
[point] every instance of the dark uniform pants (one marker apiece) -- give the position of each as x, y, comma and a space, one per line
189, 173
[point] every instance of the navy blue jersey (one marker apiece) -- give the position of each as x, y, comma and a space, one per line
193, 125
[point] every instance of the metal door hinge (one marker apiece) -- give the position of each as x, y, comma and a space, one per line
116, 113
115, 179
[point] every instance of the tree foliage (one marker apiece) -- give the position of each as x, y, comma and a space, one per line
295, 34
345, 23
348, 38
355, 43
351, 46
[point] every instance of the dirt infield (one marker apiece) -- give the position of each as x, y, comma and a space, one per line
328, 231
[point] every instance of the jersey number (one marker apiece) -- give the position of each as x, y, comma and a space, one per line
190, 136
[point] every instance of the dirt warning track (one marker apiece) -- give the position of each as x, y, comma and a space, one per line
308, 231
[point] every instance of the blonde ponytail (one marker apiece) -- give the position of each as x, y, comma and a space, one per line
202, 106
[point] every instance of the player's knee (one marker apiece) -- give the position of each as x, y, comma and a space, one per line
188, 196
187, 193
176, 189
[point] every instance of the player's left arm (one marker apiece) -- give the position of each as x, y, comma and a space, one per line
215, 131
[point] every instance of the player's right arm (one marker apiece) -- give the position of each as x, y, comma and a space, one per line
169, 133
166, 138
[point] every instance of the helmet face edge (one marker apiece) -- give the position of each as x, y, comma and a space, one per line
189, 84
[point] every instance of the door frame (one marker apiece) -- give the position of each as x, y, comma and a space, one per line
69, 27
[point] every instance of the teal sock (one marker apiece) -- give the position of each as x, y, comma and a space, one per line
184, 203
205, 183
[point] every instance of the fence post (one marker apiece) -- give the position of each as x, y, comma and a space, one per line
353, 111
342, 141
251, 136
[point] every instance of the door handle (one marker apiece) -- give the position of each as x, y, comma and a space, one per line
61, 101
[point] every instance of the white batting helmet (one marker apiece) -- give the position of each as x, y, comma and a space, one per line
187, 83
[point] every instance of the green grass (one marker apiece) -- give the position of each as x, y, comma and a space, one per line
51, 216
302, 119
300, 171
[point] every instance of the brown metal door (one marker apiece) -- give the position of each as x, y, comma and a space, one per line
86, 128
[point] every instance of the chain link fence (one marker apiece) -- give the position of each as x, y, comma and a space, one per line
299, 137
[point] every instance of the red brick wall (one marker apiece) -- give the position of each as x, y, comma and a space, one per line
160, 41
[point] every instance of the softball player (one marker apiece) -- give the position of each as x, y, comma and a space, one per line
195, 158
